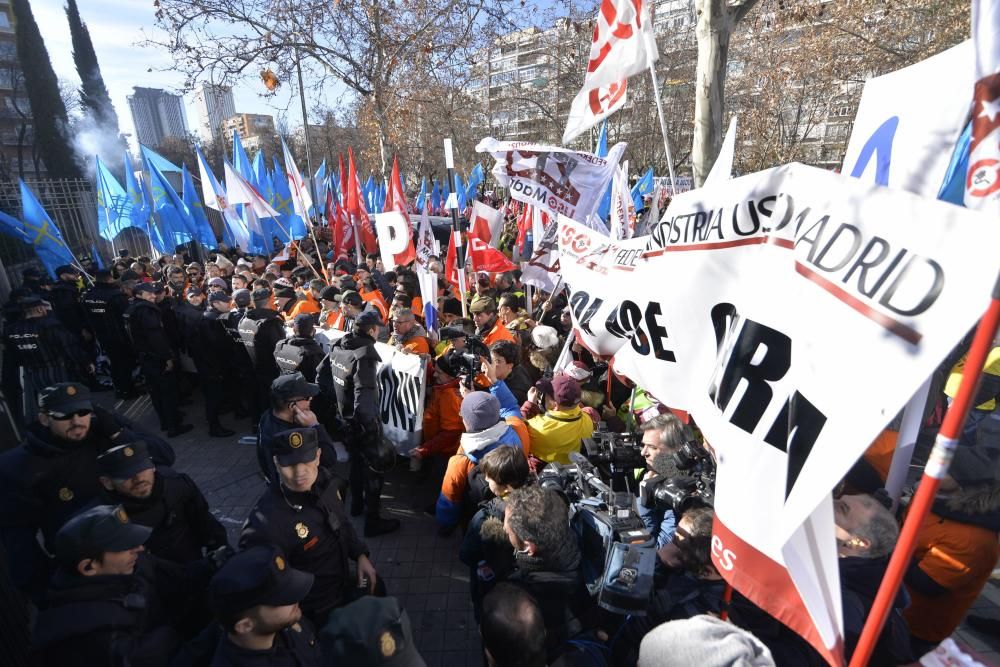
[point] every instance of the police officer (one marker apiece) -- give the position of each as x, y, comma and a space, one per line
103, 606
53, 474
349, 373
105, 304
65, 299
157, 357
260, 330
255, 597
44, 351
215, 357
303, 516
169, 502
242, 361
300, 352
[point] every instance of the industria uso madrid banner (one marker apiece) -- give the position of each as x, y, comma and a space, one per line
792, 312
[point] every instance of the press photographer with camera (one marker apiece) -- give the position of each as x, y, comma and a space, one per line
558, 432
662, 436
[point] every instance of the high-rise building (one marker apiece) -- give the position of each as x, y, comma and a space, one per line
17, 135
157, 115
214, 104
255, 130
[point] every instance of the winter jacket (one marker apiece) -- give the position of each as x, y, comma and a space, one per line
307, 305
557, 433
473, 447
441, 418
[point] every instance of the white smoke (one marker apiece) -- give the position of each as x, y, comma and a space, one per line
90, 138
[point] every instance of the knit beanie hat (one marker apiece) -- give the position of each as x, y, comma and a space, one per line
705, 641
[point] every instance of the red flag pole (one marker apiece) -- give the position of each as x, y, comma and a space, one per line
936, 468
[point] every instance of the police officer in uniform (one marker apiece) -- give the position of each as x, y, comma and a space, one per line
53, 474
105, 304
349, 372
157, 357
44, 351
65, 299
260, 330
103, 606
169, 502
242, 362
304, 516
300, 352
255, 598
215, 357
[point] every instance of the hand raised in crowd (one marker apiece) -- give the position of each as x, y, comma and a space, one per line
489, 371
547, 306
169, 365
304, 416
366, 570
533, 395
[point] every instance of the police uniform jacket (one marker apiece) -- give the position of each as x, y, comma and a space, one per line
261, 329
65, 299
350, 372
313, 531
216, 351
149, 335
295, 646
188, 318
178, 513
105, 304
299, 354
44, 343
113, 620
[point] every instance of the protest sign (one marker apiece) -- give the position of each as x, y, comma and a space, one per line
542, 268
908, 121
395, 239
801, 311
402, 387
557, 180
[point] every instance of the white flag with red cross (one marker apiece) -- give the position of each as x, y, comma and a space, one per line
623, 45
982, 184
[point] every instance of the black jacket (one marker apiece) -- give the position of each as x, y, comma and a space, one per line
215, 353
349, 375
299, 354
105, 305
313, 531
41, 343
65, 300
295, 646
148, 332
178, 513
260, 330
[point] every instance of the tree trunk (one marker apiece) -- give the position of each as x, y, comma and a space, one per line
713, 30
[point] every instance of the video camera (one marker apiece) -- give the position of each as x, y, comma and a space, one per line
695, 486
469, 359
618, 553
614, 454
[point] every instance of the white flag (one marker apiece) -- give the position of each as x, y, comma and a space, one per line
623, 45
622, 215
982, 185
722, 170
301, 199
487, 223
426, 245
215, 198
242, 192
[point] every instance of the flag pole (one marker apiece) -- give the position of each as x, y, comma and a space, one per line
659, 112
456, 229
934, 471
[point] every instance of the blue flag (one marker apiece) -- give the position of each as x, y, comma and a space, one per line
459, 192
37, 230
319, 181
422, 197
114, 209
476, 177
205, 235
176, 224
163, 164
643, 186
96, 256
953, 187
381, 197
369, 191
604, 208
141, 207
283, 204
435, 198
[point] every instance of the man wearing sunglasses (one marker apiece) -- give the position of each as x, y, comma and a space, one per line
53, 474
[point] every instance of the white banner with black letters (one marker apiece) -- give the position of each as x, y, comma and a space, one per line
402, 380
792, 312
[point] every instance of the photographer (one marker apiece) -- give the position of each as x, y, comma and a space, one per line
662, 436
504, 358
547, 562
558, 432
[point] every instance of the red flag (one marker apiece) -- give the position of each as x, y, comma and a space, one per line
395, 200
343, 181
523, 227
450, 268
356, 207
485, 257
343, 235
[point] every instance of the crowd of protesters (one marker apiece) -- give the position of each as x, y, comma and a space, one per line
126, 565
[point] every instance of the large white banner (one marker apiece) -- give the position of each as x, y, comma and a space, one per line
908, 121
792, 312
402, 380
557, 180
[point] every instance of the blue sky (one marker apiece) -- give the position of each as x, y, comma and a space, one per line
116, 26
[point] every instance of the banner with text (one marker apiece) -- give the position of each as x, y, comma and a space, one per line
792, 312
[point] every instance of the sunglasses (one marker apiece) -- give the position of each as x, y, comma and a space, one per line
63, 416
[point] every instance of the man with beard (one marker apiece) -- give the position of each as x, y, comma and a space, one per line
53, 474
661, 437
255, 597
168, 502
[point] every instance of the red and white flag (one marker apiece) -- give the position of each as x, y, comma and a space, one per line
982, 185
356, 207
395, 233
622, 215
301, 198
623, 45
425, 239
487, 223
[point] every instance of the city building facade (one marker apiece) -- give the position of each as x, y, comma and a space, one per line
17, 154
255, 130
214, 104
156, 115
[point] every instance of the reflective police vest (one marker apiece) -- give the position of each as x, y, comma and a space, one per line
289, 357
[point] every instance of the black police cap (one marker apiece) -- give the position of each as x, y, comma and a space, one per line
125, 461
368, 318
370, 631
65, 397
293, 385
253, 577
261, 294
296, 445
101, 529
145, 287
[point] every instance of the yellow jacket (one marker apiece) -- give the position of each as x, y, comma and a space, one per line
992, 367
557, 433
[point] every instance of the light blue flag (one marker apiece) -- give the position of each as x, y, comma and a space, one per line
953, 187
604, 208
368, 190
96, 256
460, 191
176, 223
141, 207
240, 160
153, 226
283, 203
114, 209
163, 164
422, 196
37, 230
320, 183
476, 177
381, 192
643, 186
205, 235
435, 198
